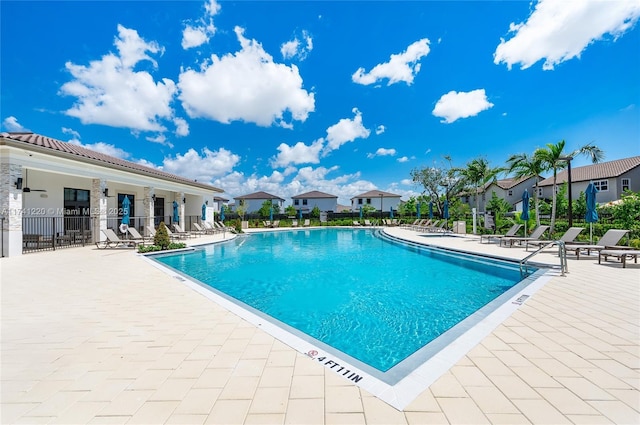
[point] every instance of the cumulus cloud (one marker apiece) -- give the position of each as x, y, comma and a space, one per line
11, 124
105, 148
246, 86
382, 152
110, 92
403, 159
298, 154
202, 167
401, 67
455, 105
197, 33
182, 127
296, 48
380, 129
557, 31
159, 139
345, 131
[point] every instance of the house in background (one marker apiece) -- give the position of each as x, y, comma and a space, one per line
509, 189
55, 194
307, 201
379, 199
253, 201
218, 203
611, 179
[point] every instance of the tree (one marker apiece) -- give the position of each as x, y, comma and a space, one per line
290, 210
526, 166
554, 158
477, 174
315, 212
267, 207
241, 209
439, 183
409, 207
161, 238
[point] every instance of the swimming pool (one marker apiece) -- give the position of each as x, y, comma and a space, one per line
374, 301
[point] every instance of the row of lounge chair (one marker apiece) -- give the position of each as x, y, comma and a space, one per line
114, 241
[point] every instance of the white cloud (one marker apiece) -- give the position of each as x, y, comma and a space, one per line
101, 147
346, 130
159, 139
246, 86
110, 92
380, 129
298, 154
407, 182
455, 105
205, 167
296, 48
558, 31
403, 159
203, 29
401, 67
182, 127
382, 152
12, 124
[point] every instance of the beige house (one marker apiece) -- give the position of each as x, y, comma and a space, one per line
307, 201
611, 178
253, 201
55, 194
510, 189
379, 199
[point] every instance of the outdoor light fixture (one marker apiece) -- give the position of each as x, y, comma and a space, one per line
105, 192
153, 197
19, 183
206, 202
184, 200
568, 159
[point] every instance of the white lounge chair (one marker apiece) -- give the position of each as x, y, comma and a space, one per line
137, 236
113, 241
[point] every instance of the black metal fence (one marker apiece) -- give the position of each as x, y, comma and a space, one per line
51, 233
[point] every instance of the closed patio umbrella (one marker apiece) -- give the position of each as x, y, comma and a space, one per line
204, 212
126, 205
176, 214
390, 212
525, 210
430, 209
271, 213
360, 213
222, 214
300, 213
592, 212
445, 213
418, 210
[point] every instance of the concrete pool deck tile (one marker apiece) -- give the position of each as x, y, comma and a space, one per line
153, 412
579, 333
270, 400
305, 411
276, 377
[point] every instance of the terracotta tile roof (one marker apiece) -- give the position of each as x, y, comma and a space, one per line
259, 195
79, 153
376, 193
602, 170
313, 194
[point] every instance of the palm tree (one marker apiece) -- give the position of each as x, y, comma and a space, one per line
554, 158
478, 173
526, 166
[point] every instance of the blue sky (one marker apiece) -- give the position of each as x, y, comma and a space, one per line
341, 97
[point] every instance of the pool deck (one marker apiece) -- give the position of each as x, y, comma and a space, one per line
103, 337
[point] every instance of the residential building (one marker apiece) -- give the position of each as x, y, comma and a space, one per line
509, 189
51, 190
308, 201
611, 178
378, 199
253, 201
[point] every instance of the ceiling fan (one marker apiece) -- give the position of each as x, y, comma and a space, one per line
26, 187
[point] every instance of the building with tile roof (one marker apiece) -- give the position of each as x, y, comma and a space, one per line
379, 199
52, 187
253, 201
509, 189
611, 178
309, 200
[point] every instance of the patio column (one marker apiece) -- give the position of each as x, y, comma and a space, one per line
149, 208
11, 208
98, 209
182, 209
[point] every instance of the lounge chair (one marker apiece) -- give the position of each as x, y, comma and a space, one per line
276, 223
620, 254
410, 225
510, 233
367, 223
307, 222
175, 236
180, 232
113, 241
356, 223
535, 235
569, 236
223, 227
267, 223
200, 230
137, 236
211, 228
294, 223
608, 241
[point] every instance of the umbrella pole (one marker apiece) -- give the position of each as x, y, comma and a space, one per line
590, 233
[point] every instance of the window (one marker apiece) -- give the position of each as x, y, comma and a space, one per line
368, 200
539, 192
510, 193
296, 202
602, 185
626, 184
304, 202
359, 201
76, 202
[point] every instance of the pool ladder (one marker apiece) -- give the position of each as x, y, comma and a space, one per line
562, 254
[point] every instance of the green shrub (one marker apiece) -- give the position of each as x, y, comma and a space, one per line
161, 237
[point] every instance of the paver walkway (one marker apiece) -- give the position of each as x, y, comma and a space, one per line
101, 336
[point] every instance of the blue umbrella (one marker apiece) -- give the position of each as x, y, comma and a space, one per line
222, 214
592, 213
360, 213
430, 209
271, 213
525, 210
390, 212
300, 213
418, 210
204, 212
445, 212
126, 204
176, 214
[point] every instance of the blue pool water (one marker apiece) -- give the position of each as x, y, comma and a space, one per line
374, 300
